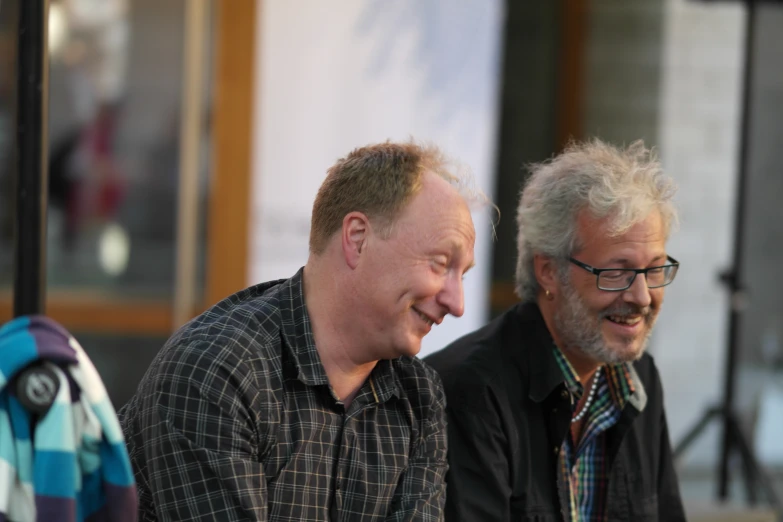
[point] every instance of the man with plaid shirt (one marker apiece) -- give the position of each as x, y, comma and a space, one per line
302, 399
555, 412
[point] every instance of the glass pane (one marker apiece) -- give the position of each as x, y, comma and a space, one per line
8, 37
120, 360
116, 73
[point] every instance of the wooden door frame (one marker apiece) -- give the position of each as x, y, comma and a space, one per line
229, 208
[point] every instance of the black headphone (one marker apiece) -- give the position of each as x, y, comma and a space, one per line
36, 387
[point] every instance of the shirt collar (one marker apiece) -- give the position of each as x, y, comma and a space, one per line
638, 396
621, 387
571, 379
383, 381
298, 333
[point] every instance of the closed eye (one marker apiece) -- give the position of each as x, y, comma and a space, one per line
614, 275
440, 264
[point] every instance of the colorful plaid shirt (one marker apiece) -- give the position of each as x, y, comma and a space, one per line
582, 467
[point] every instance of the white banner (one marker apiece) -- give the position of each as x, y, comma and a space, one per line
333, 76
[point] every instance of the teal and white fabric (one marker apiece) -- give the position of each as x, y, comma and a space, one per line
70, 464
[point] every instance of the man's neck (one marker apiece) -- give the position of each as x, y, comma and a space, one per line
583, 366
334, 343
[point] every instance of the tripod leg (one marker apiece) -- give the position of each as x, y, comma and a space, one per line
724, 476
749, 460
747, 466
694, 432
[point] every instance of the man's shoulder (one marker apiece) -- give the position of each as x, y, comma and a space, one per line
416, 376
243, 328
481, 353
251, 316
421, 386
487, 365
253, 307
647, 371
645, 363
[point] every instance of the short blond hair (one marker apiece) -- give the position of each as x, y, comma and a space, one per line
379, 180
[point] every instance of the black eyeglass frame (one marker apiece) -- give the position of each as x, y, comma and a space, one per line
636, 271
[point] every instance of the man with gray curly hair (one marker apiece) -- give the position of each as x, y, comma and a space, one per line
555, 411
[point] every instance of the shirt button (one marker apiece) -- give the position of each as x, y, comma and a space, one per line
564, 394
556, 450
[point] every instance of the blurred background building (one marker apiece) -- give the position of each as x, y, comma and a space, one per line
187, 139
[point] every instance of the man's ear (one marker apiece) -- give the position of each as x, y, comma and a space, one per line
355, 233
546, 273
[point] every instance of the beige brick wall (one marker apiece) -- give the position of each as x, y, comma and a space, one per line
698, 138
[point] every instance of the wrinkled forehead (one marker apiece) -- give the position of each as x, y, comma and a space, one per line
617, 223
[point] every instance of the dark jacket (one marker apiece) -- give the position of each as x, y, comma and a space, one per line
509, 413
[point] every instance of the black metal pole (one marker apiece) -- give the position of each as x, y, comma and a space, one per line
31, 143
733, 278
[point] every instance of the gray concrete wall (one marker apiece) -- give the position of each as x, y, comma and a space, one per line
623, 69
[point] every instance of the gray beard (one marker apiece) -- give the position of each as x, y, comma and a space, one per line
580, 329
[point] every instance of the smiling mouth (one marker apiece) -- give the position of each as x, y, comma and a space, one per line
625, 320
424, 318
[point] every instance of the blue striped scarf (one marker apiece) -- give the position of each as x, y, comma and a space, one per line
70, 464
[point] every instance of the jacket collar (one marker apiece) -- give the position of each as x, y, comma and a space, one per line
535, 352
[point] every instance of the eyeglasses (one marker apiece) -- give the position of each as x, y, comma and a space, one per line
619, 279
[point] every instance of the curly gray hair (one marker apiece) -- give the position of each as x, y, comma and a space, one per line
623, 184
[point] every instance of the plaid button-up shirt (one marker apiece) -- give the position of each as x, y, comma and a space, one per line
235, 420
583, 466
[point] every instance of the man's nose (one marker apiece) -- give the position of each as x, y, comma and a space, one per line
638, 293
452, 296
